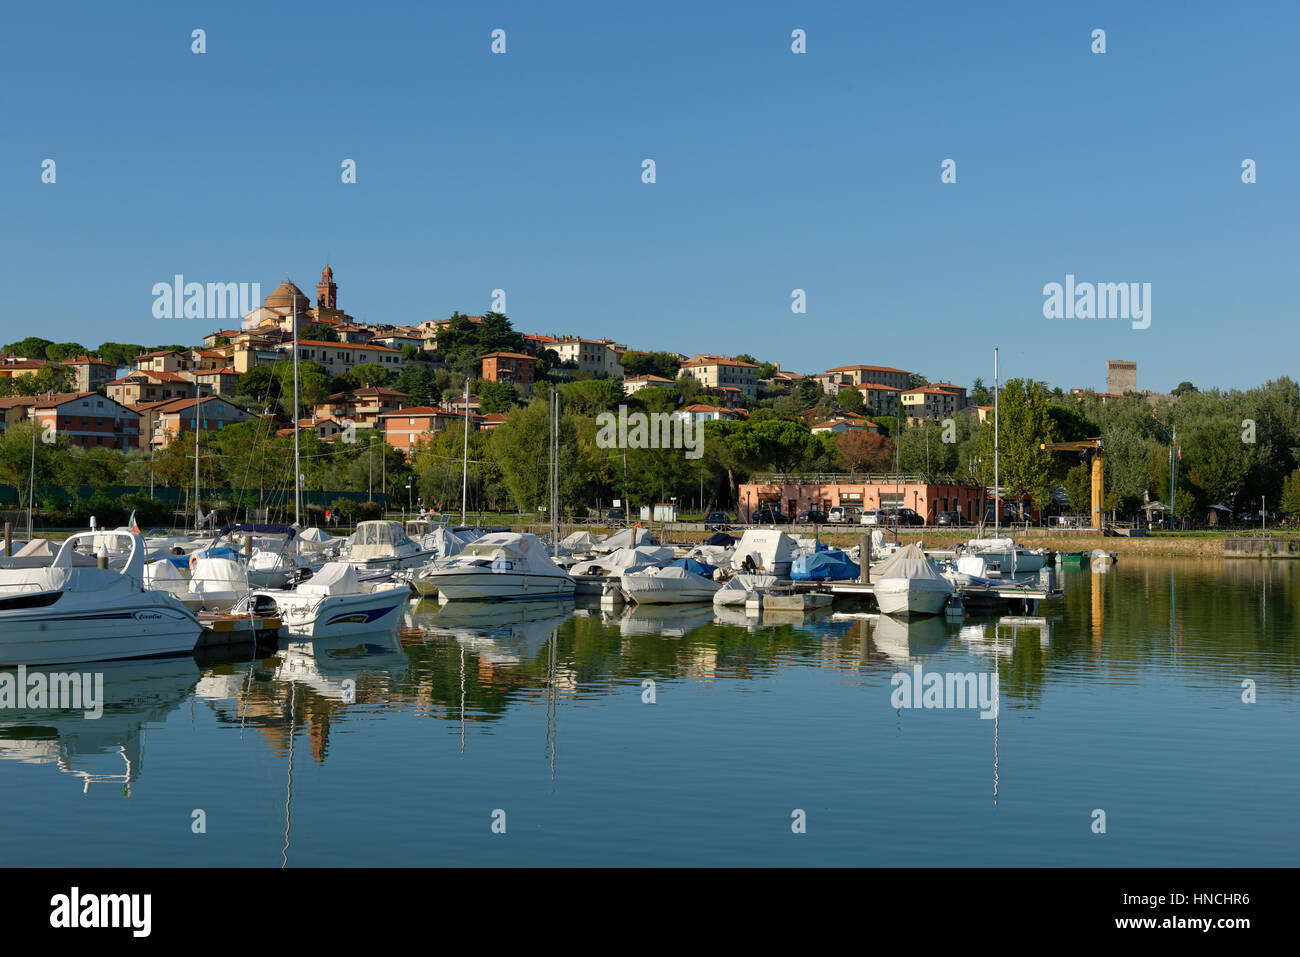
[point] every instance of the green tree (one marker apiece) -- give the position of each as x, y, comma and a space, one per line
519, 447
851, 401
496, 396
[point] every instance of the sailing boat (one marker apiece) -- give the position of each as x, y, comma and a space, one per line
997, 552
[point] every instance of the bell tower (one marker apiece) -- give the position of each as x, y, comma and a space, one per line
327, 293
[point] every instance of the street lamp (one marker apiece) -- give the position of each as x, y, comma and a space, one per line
1173, 466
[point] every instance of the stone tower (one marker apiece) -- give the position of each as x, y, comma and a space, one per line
1121, 376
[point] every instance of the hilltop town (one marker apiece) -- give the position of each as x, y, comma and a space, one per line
361, 383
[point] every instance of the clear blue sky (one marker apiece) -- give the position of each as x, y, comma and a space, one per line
775, 171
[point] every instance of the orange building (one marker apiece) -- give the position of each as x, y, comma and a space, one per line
513, 367
792, 494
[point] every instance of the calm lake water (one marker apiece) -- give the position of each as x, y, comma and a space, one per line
1125, 697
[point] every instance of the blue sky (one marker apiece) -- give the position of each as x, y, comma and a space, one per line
775, 171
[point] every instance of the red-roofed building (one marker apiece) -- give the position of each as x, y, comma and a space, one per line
405, 428
637, 383
928, 403
850, 377
223, 381
880, 399
139, 388
90, 373
512, 367
336, 358
715, 371
89, 420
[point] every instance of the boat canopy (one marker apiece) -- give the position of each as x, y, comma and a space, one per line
380, 533
624, 559
316, 536
626, 538
334, 578
720, 538
909, 562
516, 551
771, 546
580, 541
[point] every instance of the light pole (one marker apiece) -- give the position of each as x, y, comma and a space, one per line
1173, 466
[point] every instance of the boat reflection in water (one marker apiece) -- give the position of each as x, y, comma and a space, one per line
498, 632
331, 667
911, 640
665, 621
110, 748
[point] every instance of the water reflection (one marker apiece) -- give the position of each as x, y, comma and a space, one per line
109, 749
1191, 624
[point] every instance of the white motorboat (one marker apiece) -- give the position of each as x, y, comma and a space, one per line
910, 583
591, 576
333, 603
739, 588
66, 614
672, 584
630, 537
1006, 556
380, 546
505, 566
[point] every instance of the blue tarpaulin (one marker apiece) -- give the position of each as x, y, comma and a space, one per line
691, 565
829, 565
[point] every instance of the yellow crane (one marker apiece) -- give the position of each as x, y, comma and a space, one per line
1098, 481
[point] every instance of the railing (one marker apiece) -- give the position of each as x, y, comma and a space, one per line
849, 478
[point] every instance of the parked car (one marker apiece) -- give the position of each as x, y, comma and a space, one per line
616, 516
812, 516
952, 519
889, 516
717, 521
768, 516
850, 514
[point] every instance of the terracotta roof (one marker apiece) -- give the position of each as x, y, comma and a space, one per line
879, 386
868, 368
344, 345
703, 360
506, 355
83, 360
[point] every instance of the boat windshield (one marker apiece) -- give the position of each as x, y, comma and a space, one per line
380, 533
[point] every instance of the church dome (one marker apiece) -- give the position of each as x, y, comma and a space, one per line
284, 296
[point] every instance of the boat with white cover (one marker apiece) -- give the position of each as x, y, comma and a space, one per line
765, 551
218, 582
506, 566
677, 583
740, 588
334, 603
591, 576
67, 614
909, 583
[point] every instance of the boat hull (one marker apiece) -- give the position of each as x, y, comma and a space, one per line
905, 597
152, 626
342, 616
485, 584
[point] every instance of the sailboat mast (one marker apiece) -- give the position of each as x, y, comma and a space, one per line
464, 462
297, 466
997, 494
31, 482
198, 423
